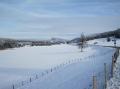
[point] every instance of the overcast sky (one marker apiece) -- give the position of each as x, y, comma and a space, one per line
42, 19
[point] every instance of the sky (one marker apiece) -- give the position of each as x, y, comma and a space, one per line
44, 19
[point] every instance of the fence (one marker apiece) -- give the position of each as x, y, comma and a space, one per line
45, 73
107, 73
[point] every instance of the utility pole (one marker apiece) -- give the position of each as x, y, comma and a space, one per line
105, 70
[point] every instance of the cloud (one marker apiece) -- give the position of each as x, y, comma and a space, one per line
30, 17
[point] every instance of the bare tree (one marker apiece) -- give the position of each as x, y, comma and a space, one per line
114, 41
108, 39
82, 42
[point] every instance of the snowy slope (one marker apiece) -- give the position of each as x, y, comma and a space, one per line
103, 42
75, 76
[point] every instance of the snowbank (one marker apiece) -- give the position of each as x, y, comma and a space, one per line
114, 83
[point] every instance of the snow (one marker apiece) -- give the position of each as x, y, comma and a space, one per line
42, 57
19, 64
74, 76
114, 83
103, 42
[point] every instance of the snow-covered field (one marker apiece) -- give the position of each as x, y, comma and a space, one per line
20, 63
103, 42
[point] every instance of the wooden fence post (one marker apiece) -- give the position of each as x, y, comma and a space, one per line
54, 68
22, 83
13, 87
68, 62
51, 69
30, 80
112, 66
105, 72
36, 76
42, 74
47, 71
94, 82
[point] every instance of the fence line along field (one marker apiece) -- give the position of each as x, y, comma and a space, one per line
30, 63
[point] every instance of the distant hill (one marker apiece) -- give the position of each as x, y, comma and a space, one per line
13, 43
115, 33
58, 40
